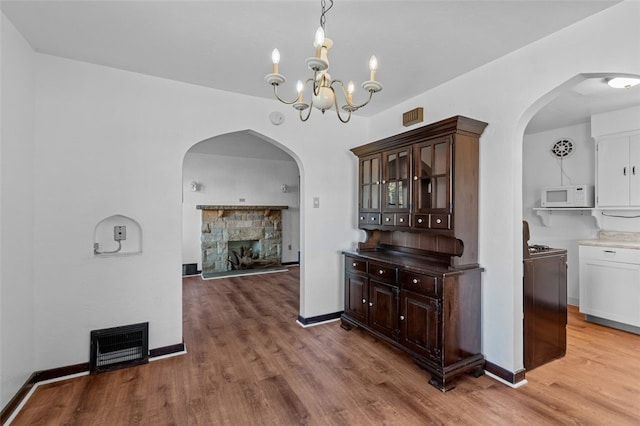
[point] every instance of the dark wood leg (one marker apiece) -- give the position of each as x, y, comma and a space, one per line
345, 325
477, 372
441, 383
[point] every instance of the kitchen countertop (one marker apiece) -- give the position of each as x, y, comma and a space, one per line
630, 240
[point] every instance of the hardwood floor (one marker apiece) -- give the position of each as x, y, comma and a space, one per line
249, 363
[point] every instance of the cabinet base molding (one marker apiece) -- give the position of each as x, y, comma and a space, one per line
508, 376
443, 378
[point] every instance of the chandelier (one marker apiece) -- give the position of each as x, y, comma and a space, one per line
323, 95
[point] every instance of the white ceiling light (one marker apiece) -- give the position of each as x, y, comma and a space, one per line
323, 95
623, 82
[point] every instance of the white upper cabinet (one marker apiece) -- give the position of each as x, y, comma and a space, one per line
618, 171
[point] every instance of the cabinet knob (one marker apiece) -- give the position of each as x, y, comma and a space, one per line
633, 170
377, 182
381, 271
419, 220
384, 181
388, 219
438, 220
364, 300
401, 220
415, 178
370, 303
415, 281
401, 317
373, 218
361, 217
624, 171
355, 264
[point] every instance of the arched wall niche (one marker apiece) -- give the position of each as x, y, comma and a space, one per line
105, 240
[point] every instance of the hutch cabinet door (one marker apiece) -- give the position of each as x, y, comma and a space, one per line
432, 176
420, 328
355, 297
396, 168
370, 172
383, 308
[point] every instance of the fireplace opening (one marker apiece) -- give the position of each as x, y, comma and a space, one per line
243, 254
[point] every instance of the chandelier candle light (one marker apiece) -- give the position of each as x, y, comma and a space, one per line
323, 95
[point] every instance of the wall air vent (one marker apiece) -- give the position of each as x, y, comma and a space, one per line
562, 148
412, 117
119, 347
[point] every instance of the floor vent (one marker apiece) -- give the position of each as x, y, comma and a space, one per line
119, 347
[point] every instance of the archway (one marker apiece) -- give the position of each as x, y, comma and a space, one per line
564, 114
242, 168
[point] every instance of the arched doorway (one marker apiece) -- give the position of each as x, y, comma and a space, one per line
563, 116
241, 168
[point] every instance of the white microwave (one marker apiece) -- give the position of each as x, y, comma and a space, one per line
567, 196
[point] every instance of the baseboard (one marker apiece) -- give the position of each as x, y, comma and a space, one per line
511, 378
308, 322
69, 370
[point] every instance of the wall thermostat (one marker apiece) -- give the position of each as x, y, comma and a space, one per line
276, 118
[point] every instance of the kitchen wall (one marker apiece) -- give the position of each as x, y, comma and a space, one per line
541, 169
17, 310
223, 180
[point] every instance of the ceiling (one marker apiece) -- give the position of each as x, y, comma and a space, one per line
577, 104
227, 44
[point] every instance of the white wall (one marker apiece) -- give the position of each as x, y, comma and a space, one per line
16, 213
541, 169
113, 142
223, 180
506, 93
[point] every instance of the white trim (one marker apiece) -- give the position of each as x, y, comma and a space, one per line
316, 323
172, 354
501, 380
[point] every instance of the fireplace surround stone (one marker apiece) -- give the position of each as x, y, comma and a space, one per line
221, 224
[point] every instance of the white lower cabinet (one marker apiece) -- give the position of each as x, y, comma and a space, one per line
610, 283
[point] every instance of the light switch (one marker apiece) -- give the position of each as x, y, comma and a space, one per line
316, 202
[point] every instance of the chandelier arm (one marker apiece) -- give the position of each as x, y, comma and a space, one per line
302, 118
335, 101
344, 92
275, 92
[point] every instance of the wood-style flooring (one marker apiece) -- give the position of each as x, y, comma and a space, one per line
249, 363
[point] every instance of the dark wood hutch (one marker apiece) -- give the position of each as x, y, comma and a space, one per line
415, 281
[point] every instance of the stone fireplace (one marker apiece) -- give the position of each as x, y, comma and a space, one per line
239, 238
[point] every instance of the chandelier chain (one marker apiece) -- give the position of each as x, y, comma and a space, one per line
325, 9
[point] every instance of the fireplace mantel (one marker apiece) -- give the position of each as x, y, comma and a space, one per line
222, 209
